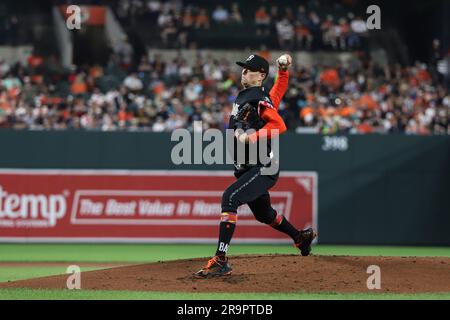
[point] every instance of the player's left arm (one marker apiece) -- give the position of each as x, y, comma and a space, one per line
274, 123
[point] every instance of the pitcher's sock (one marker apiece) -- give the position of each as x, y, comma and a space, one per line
226, 230
283, 225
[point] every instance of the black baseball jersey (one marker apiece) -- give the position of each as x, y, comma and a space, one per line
252, 96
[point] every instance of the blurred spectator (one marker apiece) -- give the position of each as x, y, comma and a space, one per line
79, 85
436, 54
169, 33
220, 15
202, 20
302, 16
168, 28
262, 22
303, 36
329, 32
285, 31
133, 83
185, 70
235, 15
188, 18
165, 18
330, 78
358, 32
314, 24
159, 125
436, 59
4, 67
187, 24
34, 60
153, 8
343, 33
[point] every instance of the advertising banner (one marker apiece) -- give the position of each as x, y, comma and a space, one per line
139, 206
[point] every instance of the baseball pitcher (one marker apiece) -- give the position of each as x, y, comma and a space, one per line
255, 109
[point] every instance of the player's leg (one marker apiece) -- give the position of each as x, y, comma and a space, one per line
249, 186
265, 213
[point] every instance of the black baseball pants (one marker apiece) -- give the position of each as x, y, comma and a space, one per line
251, 188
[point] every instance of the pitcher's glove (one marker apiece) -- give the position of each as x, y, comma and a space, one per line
242, 116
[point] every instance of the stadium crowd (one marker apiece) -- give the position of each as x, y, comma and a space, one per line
302, 27
164, 95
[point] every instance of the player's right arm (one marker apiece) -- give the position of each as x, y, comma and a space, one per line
281, 84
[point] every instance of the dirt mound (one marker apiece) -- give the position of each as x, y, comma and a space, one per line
266, 273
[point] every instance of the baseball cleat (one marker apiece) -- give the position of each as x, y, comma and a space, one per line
304, 240
215, 267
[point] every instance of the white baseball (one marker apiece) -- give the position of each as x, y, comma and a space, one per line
283, 60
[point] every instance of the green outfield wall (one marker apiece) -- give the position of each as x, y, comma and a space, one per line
373, 189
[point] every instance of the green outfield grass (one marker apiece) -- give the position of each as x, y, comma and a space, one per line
20, 273
30, 294
141, 253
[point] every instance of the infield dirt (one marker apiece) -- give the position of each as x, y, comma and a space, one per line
266, 273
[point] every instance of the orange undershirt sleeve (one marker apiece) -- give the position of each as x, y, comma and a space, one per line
273, 122
279, 88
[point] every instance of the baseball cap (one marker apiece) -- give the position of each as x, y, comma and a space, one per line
255, 63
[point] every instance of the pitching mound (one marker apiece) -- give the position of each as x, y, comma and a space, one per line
266, 273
